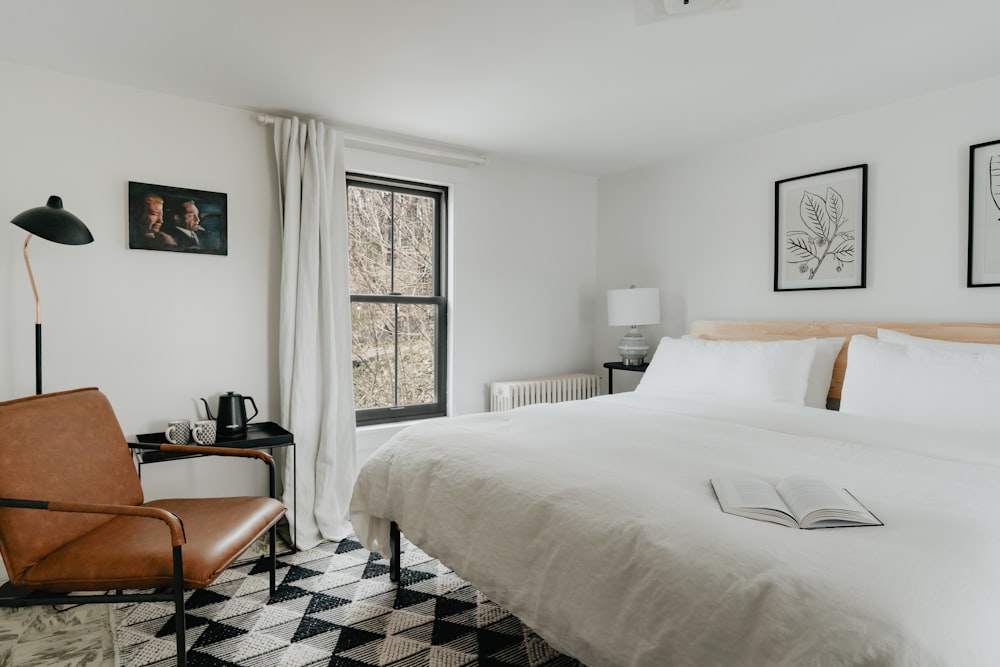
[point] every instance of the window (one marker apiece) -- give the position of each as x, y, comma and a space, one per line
397, 245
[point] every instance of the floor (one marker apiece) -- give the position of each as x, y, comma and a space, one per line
65, 636
51, 636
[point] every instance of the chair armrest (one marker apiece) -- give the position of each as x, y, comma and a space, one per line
173, 522
208, 450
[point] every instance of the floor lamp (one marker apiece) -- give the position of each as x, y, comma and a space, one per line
52, 223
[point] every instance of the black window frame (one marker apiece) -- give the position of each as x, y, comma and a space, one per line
398, 413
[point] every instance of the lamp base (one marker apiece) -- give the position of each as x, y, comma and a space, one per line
633, 348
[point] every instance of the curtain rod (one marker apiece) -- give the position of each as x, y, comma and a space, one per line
389, 146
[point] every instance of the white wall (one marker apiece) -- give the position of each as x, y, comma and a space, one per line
156, 330
702, 227
153, 330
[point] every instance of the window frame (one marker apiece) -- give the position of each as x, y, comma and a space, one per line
439, 299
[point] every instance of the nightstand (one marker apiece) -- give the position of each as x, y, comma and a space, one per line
613, 366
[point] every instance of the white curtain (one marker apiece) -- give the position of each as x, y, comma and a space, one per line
314, 338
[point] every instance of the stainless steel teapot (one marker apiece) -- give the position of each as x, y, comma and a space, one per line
232, 419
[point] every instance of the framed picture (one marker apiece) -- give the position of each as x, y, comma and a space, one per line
162, 217
984, 214
819, 230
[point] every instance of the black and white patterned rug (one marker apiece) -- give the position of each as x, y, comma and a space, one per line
334, 606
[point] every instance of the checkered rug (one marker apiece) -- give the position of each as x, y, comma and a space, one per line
334, 606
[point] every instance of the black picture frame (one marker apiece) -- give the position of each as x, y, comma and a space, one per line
820, 230
173, 219
983, 266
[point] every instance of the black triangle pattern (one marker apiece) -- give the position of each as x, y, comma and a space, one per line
342, 631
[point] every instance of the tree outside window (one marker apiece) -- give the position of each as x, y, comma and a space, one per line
396, 242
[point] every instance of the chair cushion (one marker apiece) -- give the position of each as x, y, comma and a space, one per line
135, 553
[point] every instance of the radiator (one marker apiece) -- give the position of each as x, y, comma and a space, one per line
512, 394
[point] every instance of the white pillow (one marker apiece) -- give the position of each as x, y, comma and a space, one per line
920, 385
770, 371
890, 336
821, 371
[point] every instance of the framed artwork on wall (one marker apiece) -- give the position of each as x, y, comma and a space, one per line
162, 217
984, 215
820, 222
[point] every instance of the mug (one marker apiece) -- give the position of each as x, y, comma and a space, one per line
204, 432
178, 432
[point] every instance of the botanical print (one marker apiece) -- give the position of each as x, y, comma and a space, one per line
984, 215
820, 230
991, 220
827, 234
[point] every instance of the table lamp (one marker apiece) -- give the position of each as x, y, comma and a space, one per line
632, 308
52, 223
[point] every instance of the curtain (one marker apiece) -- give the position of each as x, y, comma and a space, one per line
314, 337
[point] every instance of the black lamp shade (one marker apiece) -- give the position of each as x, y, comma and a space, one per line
54, 223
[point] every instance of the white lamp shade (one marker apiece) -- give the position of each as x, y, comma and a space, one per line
633, 307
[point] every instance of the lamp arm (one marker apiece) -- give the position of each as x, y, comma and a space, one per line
31, 279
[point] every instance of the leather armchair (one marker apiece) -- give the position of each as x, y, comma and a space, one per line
73, 517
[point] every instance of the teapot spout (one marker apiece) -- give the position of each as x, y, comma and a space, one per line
208, 410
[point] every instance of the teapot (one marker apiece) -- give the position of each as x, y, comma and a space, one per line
232, 416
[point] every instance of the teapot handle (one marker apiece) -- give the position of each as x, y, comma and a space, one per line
250, 398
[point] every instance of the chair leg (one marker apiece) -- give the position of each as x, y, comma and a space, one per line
272, 556
396, 555
179, 622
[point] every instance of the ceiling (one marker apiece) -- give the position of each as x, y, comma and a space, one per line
569, 84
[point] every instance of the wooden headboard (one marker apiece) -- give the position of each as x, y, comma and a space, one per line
778, 330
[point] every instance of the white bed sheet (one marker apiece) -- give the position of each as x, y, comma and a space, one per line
594, 522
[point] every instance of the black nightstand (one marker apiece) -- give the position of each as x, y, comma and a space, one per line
613, 366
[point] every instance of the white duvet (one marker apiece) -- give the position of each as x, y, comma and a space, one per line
594, 522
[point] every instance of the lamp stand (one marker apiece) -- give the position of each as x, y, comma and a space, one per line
633, 347
38, 320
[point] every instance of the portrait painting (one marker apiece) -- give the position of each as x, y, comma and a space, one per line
163, 217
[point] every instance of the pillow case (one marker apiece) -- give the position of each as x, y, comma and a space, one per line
770, 371
890, 336
821, 371
921, 385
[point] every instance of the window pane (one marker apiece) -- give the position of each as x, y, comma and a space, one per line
417, 329
369, 215
414, 225
375, 360
374, 355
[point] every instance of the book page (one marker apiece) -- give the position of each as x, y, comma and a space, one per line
751, 498
814, 501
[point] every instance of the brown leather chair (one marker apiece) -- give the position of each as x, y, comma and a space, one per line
72, 516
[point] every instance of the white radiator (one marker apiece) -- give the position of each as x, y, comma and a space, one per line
570, 387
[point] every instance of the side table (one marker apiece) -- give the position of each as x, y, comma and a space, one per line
613, 366
262, 435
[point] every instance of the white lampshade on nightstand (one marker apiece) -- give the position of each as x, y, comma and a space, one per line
633, 308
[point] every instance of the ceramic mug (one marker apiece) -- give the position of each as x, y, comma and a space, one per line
204, 432
178, 431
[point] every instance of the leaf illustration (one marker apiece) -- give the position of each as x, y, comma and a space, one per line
995, 179
799, 247
812, 210
834, 206
845, 253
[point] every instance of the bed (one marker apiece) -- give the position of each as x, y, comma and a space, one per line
594, 521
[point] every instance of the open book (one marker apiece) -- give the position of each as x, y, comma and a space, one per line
797, 502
